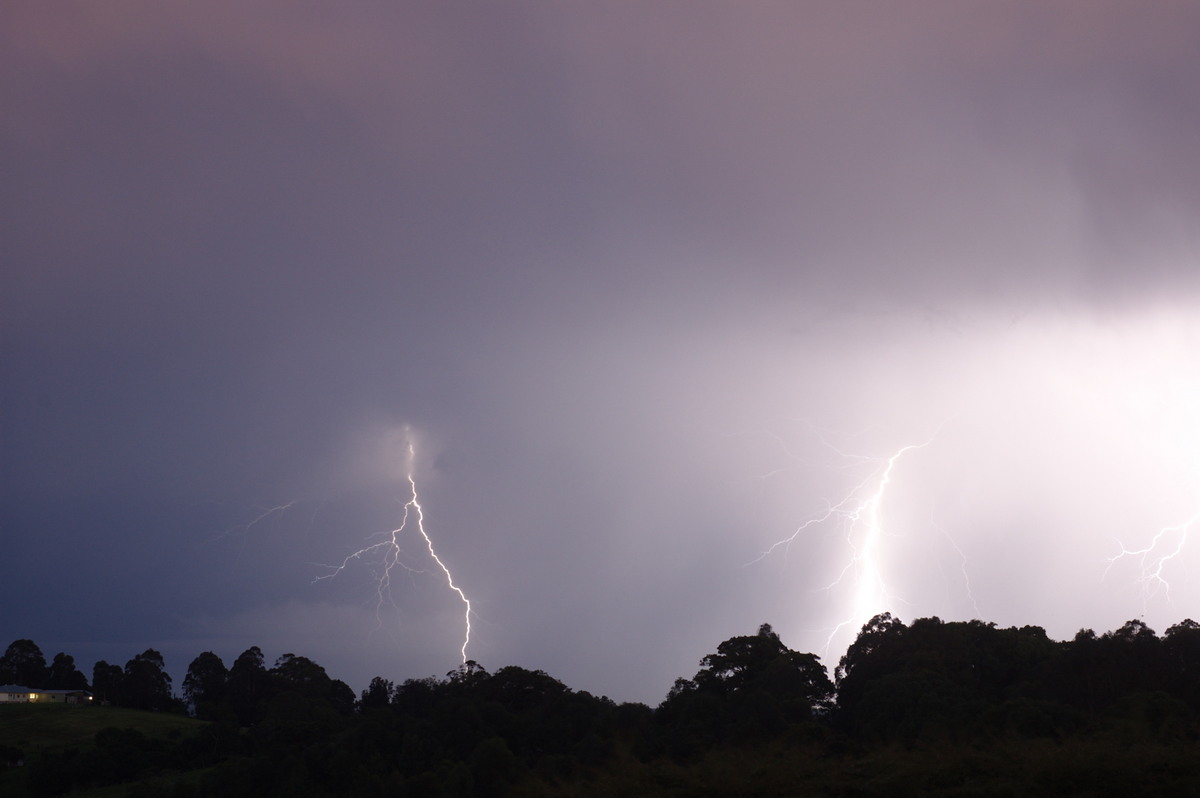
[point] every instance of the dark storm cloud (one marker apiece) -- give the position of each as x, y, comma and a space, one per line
614, 263
930, 151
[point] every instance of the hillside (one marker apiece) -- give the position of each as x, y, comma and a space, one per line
113, 742
38, 727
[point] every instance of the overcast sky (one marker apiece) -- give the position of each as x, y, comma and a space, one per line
649, 286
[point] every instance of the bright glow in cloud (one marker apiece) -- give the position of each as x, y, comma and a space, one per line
1069, 440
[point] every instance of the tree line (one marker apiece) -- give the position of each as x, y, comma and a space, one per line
142, 684
931, 685
23, 663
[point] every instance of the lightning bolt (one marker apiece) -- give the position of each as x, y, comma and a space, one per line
449, 576
1166, 545
390, 554
859, 513
243, 530
871, 594
267, 513
1167, 407
1175, 408
962, 566
263, 514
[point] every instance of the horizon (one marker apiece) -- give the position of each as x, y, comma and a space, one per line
830, 668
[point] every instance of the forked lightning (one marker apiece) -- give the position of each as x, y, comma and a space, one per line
389, 552
859, 514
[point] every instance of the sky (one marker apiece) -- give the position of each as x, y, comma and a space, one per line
696, 316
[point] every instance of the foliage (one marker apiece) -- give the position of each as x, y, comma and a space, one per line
107, 683
927, 708
63, 675
146, 683
204, 685
753, 686
377, 695
23, 663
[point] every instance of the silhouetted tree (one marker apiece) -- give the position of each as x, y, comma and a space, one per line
147, 685
24, 664
753, 685
416, 697
302, 675
249, 686
520, 687
299, 673
1092, 672
64, 675
1181, 661
204, 684
378, 694
876, 634
938, 679
470, 672
868, 658
1133, 659
340, 696
763, 662
107, 683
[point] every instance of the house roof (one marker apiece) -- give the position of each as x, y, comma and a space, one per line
16, 688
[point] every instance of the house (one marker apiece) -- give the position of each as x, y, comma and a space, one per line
16, 694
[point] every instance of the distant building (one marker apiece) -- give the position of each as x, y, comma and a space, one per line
16, 694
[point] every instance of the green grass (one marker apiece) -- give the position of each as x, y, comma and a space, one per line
41, 727
48, 728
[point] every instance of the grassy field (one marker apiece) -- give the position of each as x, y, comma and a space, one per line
37, 727
34, 728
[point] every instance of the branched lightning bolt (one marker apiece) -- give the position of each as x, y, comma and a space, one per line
449, 577
263, 514
871, 593
391, 556
1169, 404
859, 513
962, 565
267, 513
1152, 560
